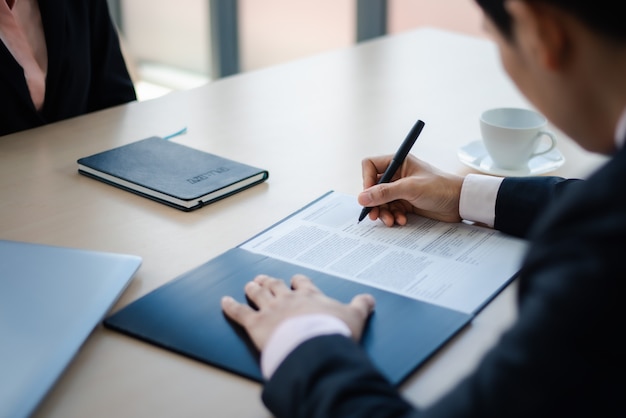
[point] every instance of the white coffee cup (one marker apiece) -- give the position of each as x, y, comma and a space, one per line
512, 136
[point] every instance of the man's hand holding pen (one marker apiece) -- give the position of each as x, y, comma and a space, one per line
416, 187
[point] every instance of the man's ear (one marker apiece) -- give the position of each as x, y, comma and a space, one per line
542, 30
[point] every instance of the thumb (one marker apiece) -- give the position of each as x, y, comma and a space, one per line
381, 194
364, 303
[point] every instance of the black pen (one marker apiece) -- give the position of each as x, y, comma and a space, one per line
397, 160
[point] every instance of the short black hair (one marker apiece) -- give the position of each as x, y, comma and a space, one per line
602, 16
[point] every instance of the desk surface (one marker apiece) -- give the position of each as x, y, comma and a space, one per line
309, 122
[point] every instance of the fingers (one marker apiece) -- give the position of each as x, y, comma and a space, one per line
236, 311
262, 289
387, 217
372, 169
301, 282
275, 302
389, 213
275, 286
380, 197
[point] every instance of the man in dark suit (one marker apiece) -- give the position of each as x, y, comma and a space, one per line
563, 356
58, 59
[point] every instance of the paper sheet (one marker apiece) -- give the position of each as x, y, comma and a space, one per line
455, 265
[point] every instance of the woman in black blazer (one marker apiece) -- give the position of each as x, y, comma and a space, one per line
85, 67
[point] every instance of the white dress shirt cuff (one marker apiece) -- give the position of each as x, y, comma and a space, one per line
294, 331
478, 198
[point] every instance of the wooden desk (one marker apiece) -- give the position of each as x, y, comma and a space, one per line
309, 123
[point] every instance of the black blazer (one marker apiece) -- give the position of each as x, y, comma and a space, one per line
564, 356
86, 70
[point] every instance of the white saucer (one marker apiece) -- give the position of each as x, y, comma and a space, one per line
475, 155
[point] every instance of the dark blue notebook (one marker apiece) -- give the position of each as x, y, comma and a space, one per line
171, 173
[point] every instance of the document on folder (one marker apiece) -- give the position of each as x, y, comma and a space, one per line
455, 265
429, 280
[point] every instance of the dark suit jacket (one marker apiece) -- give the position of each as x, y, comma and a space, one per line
564, 356
86, 70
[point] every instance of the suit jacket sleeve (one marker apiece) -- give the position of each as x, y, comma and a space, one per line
331, 376
521, 200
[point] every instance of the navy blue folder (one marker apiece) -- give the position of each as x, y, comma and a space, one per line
185, 316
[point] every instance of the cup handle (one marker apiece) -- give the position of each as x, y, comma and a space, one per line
552, 143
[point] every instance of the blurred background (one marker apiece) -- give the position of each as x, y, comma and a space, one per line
181, 45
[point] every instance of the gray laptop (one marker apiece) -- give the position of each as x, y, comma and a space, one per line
51, 299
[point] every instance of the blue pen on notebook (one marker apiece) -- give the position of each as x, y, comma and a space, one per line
397, 160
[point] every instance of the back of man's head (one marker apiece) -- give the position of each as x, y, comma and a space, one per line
602, 16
